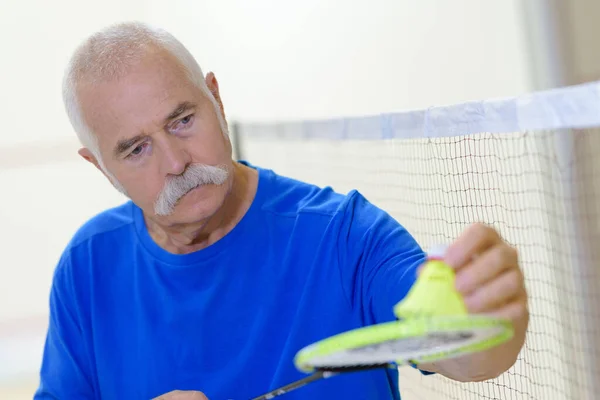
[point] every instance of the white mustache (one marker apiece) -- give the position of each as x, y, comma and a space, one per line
178, 186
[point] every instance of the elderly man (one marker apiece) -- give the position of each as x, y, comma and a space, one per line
216, 272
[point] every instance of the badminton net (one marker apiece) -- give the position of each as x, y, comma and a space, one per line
528, 166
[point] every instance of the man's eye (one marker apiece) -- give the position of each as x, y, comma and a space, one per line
183, 123
137, 150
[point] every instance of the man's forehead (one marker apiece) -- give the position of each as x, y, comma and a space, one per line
135, 102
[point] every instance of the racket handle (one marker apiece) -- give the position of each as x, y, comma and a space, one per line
295, 385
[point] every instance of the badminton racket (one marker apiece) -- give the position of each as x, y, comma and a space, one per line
433, 325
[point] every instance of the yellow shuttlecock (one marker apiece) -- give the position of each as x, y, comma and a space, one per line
434, 292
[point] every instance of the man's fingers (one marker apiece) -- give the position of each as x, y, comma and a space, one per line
514, 311
474, 240
495, 294
486, 267
182, 395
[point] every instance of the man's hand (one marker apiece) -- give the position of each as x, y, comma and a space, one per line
488, 274
182, 395
489, 278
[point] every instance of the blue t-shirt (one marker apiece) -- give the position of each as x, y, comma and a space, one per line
129, 320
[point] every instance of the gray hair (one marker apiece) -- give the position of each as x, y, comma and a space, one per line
107, 54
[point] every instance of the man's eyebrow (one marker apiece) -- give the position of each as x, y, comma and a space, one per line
180, 109
124, 144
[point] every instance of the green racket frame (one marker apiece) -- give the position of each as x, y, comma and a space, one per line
433, 305
414, 328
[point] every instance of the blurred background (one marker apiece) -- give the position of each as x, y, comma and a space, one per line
275, 61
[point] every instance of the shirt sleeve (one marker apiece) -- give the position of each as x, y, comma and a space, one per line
64, 372
378, 259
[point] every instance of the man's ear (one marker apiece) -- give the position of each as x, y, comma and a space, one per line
213, 86
87, 155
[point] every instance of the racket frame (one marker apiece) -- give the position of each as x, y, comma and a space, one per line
410, 329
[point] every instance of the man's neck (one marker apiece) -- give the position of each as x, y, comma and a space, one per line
194, 237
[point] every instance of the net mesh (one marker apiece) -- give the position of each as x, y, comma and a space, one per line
540, 188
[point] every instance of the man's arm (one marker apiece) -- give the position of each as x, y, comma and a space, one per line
65, 369
489, 278
379, 261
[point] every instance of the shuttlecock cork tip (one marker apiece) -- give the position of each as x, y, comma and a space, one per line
437, 252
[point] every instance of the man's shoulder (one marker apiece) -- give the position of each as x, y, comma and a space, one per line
98, 236
352, 210
293, 197
108, 221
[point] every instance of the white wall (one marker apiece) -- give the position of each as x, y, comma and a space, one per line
274, 60
314, 58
